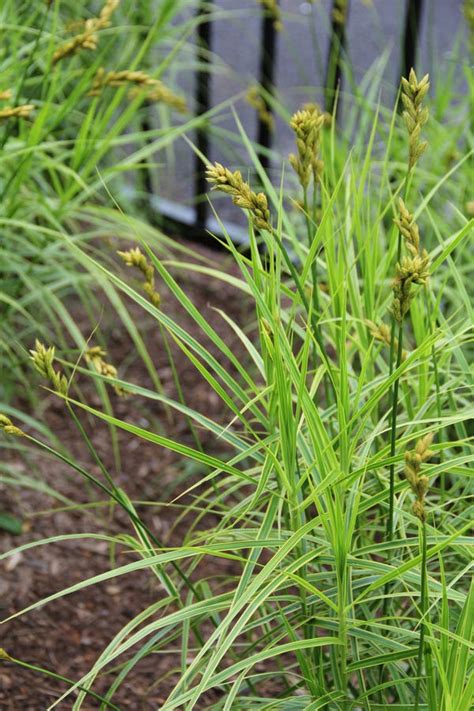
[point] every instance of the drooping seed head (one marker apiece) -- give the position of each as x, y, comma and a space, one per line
22, 111
135, 258
419, 483
233, 184
255, 99
9, 428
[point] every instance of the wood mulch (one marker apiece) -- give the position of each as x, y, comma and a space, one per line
67, 635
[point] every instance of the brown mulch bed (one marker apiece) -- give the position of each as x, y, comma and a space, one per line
68, 635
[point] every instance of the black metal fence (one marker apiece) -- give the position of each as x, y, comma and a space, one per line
411, 27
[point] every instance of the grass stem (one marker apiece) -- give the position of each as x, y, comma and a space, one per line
423, 600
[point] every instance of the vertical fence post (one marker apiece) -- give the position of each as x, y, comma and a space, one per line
203, 102
340, 10
411, 34
267, 74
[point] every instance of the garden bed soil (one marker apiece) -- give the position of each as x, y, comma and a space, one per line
67, 635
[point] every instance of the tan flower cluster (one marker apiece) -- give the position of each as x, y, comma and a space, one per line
87, 39
275, 11
153, 89
307, 125
255, 99
383, 334
96, 357
419, 483
415, 114
408, 228
135, 258
339, 12
411, 270
234, 185
22, 111
9, 428
43, 359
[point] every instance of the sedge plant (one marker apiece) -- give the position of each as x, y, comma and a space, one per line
271, 592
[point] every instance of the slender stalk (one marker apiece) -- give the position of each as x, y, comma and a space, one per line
393, 442
314, 267
393, 436
434, 358
315, 293
342, 622
394, 389
423, 600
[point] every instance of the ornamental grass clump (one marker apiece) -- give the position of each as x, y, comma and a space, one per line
268, 487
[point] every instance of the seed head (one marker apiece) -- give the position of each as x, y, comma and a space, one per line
96, 357
412, 269
22, 111
135, 258
383, 334
107, 12
153, 89
256, 100
419, 483
339, 12
274, 10
415, 115
87, 39
307, 124
9, 428
43, 359
408, 228
234, 185
409, 271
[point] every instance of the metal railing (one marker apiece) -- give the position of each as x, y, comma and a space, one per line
195, 222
